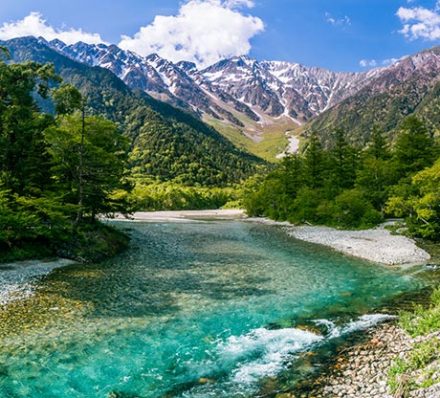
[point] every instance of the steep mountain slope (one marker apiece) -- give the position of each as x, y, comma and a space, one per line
252, 103
410, 86
260, 106
166, 142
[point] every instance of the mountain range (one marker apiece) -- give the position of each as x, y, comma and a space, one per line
166, 143
252, 101
254, 104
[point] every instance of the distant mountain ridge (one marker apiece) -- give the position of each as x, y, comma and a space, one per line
166, 143
253, 103
253, 88
409, 86
249, 100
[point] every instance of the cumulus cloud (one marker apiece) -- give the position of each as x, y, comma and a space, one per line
35, 25
343, 21
203, 31
420, 22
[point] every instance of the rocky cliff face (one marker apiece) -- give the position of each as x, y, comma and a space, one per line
251, 95
228, 89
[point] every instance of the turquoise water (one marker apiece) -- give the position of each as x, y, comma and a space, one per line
202, 309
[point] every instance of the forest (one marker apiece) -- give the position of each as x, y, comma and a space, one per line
57, 171
61, 169
344, 186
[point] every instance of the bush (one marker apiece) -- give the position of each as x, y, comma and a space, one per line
305, 206
154, 196
353, 210
422, 320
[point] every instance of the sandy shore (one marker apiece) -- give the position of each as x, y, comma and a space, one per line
17, 279
182, 215
377, 245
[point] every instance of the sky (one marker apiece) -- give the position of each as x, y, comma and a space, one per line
342, 35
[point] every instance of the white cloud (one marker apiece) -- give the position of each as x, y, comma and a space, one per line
368, 63
390, 61
35, 25
372, 63
203, 31
420, 22
239, 3
343, 21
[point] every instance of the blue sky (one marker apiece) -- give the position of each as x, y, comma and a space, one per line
334, 34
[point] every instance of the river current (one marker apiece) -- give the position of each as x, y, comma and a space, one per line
192, 309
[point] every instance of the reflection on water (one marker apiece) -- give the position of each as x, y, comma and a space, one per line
191, 310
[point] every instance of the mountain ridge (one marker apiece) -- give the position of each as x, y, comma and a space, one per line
409, 86
166, 142
256, 103
253, 103
277, 82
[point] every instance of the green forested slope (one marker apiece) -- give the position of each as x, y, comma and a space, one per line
165, 142
410, 87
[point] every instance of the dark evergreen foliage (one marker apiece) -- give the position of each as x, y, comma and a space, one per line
345, 187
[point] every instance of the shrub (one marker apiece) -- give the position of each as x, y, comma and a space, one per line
353, 210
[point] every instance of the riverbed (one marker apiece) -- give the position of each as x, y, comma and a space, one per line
192, 309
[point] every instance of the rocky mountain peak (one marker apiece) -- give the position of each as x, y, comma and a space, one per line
242, 86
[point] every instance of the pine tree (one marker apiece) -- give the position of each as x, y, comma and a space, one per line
314, 163
378, 147
343, 162
414, 149
23, 157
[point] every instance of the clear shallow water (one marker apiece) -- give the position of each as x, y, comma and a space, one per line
209, 309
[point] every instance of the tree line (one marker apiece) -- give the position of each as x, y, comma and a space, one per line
57, 170
344, 186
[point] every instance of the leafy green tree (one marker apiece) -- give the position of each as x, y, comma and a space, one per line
23, 157
420, 204
305, 205
67, 99
104, 153
352, 210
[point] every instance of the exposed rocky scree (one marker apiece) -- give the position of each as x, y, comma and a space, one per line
248, 87
362, 372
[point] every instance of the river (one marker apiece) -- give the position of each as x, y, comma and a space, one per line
192, 309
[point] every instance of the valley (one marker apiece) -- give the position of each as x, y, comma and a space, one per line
182, 216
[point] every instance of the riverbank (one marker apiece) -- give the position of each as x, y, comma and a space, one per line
377, 245
91, 242
398, 359
364, 370
182, 215
17, 279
